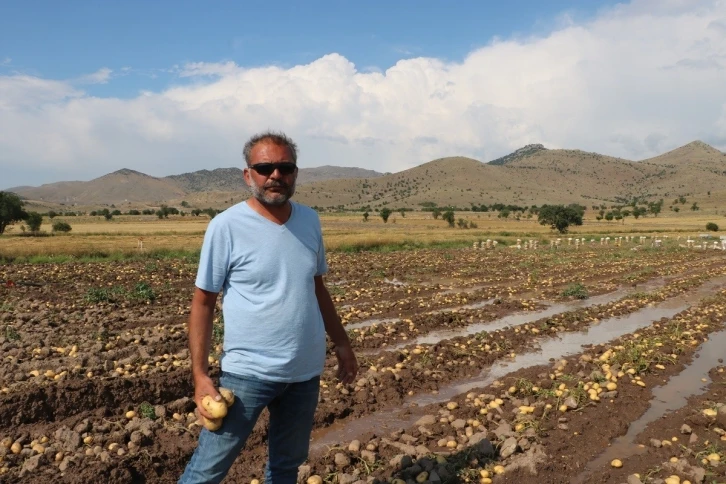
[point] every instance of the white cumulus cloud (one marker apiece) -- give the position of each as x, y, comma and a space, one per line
101, 76
636, 80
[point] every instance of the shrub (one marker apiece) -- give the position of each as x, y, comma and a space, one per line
576, 290
449, 217
35, 220
712, 227
142, 291
97, 294
61, 226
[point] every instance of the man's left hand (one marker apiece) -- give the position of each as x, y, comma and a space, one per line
347, 364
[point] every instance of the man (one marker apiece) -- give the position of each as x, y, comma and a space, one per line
267, 257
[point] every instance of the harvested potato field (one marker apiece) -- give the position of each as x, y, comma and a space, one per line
586, 364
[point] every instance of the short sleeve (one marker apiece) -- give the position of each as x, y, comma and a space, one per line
214, 258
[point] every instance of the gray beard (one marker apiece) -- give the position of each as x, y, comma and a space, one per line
272, 199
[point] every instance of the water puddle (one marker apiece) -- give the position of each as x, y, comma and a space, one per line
557, 348
370, 322
465, 290
394, 282
463, 307
520, 319
375, 321
666, 398
512, 320
552, 348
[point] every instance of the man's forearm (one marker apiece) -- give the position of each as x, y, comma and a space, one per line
333, 326
200, 336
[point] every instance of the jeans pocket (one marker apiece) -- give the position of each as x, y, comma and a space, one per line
228, 380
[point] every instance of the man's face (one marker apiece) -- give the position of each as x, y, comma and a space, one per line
276, 188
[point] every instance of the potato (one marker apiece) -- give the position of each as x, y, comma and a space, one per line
211, 424
227, 396
214, 408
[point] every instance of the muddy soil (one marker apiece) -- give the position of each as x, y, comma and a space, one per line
83, 344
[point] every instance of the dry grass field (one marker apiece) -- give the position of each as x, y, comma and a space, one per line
342, 231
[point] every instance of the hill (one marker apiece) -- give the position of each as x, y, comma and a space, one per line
127, 186
694, 168
220, 179
518, 154
530, 175
120, 186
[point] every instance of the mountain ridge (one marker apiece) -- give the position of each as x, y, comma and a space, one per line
531, 174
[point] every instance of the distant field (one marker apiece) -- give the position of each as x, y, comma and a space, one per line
345, 231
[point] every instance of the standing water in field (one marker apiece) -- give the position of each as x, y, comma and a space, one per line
551, 348
519, 319
666, 398
511, 320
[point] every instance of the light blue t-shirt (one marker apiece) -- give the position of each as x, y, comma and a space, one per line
273, 328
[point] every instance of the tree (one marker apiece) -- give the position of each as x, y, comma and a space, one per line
559, 217
11, 210
402, 211
436, 213
35, 220
712, 227
448, 217
52, 214
385, 213
365, 216
211, 212
695, 207
655, 207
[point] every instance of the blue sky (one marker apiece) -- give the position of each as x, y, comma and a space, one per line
87, 88
65, 40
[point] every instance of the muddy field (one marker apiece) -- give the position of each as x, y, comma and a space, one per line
595, 365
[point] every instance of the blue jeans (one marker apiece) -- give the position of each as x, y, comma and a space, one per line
292, 408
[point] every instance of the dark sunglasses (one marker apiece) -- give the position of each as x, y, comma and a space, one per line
266, 169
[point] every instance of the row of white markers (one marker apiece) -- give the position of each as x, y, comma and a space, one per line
617, 241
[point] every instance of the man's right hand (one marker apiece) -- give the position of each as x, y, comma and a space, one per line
204, 386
